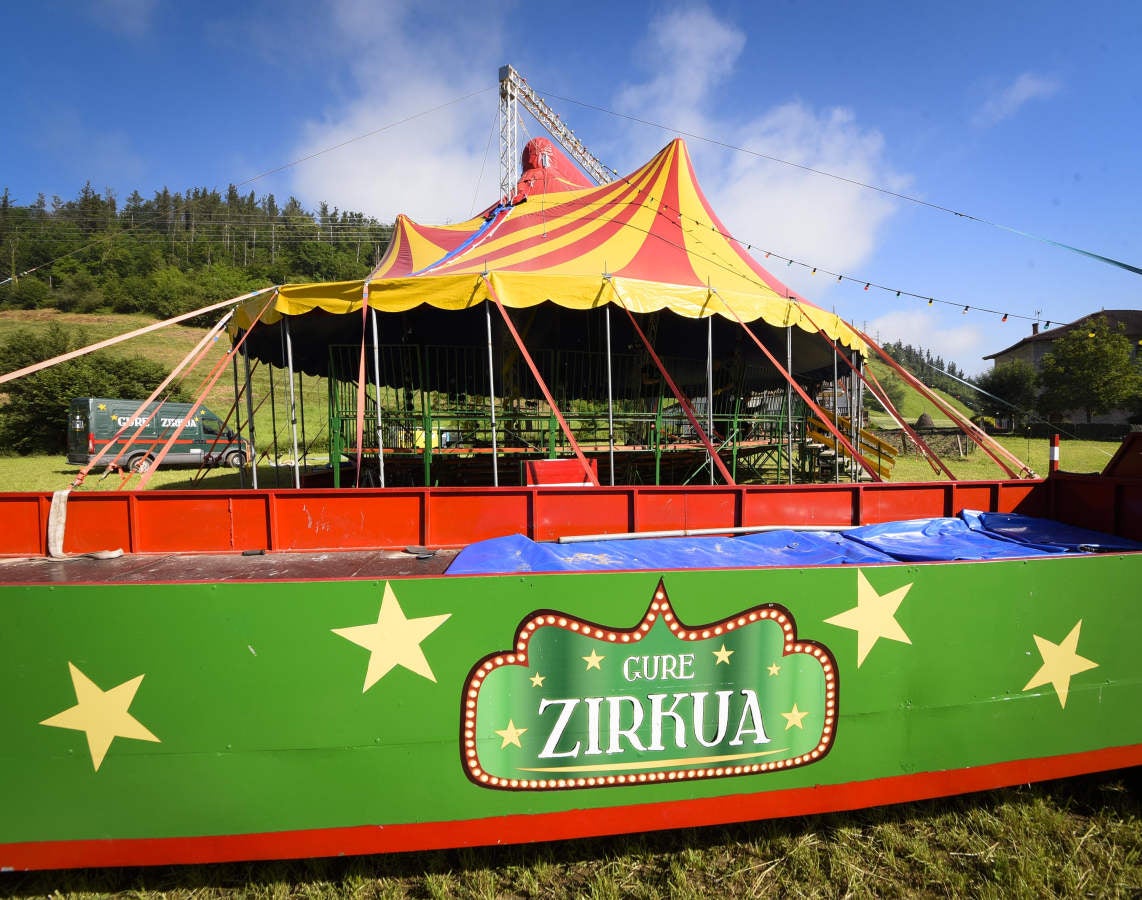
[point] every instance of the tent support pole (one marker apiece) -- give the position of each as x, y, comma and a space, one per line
854, 408
710, 386
301, 416
492, 393
789, 401
535, 373
810, 403
274, 425
250, 420
610, 401
836, 404
238, 415
292, 401
682, 402
377, 384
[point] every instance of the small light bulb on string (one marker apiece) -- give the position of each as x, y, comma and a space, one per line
1004, 319
965, 311
866, 286
789, 263
814, 272
930, 301
898, 293
839, 277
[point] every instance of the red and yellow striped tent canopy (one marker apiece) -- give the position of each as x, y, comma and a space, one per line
646, 242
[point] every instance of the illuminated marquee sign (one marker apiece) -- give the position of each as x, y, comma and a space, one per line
578, 705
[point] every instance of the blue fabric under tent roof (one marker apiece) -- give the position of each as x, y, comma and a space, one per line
971, 536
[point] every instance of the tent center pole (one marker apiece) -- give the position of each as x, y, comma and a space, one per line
710, 387
836, 405
856, 408
492, 394
610, 401
250, 420
274, 426
292, 401
377, 384
789, 401
238, 415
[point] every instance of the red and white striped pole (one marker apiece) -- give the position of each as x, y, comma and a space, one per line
1054, 453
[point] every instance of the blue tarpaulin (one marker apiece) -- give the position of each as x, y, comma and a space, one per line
972, 536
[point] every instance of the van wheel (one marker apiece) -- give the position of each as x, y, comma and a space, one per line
236, 459
139, 463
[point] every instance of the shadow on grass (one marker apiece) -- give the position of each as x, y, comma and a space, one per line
571, 867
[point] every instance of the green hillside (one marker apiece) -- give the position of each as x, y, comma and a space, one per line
168, 346
912, 406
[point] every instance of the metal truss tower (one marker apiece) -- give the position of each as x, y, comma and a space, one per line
515, 92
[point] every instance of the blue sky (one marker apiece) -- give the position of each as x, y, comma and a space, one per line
1023, 114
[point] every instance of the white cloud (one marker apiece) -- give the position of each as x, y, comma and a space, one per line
131, 18
431, 169
824, 221
935, 330
1007, 102
428, 158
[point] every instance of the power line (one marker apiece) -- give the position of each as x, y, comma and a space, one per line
855, 182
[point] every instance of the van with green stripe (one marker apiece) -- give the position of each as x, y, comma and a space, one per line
131, 434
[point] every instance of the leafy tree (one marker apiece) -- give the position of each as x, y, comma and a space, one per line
1090, 368
34, 420
1012, 387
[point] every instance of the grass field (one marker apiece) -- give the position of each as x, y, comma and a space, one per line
49, 473
1076, 838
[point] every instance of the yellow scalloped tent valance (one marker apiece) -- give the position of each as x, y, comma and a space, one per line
646, 242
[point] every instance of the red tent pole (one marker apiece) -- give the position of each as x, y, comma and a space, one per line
817, 411
878, 391
991, 448
678, 395
542, 386
214, 375
873, 385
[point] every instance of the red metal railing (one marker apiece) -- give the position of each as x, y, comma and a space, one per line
387, 518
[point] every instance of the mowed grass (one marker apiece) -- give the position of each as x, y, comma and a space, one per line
50, 473
1076, 838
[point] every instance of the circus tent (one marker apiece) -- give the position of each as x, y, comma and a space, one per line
644, 244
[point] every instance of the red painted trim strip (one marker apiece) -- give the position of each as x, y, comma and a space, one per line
578, 823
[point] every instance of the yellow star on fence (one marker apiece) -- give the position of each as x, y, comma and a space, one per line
794, 717
101, 714
511, 735
393, 640
1060, 663
873, 618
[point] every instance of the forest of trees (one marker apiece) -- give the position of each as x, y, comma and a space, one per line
174, 252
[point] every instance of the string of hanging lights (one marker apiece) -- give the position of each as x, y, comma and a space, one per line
868, 285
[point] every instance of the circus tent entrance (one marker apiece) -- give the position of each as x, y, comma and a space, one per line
618, 326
